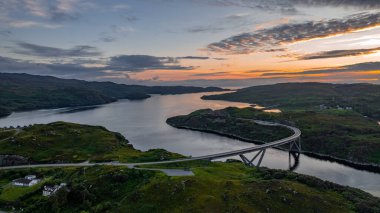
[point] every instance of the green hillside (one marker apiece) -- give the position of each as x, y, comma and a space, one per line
68, 142
27, 92
362, 98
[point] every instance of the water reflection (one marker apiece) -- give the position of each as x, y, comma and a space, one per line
294, 160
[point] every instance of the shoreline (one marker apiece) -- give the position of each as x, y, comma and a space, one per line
356, 165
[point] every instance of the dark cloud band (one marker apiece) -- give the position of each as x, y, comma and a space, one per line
136, 63
338, 53
289, 6
25, 48
360, 67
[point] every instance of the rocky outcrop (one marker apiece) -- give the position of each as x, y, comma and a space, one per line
12, 160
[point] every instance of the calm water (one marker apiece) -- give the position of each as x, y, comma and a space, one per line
143, 124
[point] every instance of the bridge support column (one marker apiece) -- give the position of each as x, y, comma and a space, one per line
294, 152
295, 146
248, 162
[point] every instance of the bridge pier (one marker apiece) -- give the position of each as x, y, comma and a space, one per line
294, 151
248, 162
295, 146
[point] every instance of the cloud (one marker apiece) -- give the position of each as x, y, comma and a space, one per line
5, 33
105, 37
360, 67
122, 29
205, 29
237, 16
129, 18
25, 48
194, 57
29, 24
237, 22
120, 6
138, 63
41, 13
115, 68
365, 4
211, 74
290, 6
11, 65
71, 63
262, 40
338, 53
108, 39
220, 59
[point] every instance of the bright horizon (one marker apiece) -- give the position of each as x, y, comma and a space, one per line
206, 43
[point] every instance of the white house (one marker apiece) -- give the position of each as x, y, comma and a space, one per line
30, 177
28, 181
50, 190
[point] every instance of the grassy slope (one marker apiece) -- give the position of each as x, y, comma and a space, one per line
27, 92
216, 187
68, 142
222, 122
364, 98
342, 134
12, 193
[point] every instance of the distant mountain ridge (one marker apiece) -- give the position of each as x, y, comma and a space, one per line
27, 92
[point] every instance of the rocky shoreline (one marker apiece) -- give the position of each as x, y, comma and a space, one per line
13, 160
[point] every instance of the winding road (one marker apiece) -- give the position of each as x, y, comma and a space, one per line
296, 135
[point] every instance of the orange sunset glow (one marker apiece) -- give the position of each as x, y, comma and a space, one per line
236, 42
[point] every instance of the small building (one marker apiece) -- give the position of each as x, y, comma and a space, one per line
323, 107
30, 177
50, 190
28, 181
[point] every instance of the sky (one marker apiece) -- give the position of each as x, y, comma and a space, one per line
193, 42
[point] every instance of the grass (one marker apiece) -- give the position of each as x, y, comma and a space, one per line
216, 187
68, 142
227, 122
4, 134
10, 193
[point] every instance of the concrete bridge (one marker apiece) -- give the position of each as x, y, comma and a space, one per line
294, 142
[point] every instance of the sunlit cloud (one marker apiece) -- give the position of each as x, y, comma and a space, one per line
261, 40
30, 24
